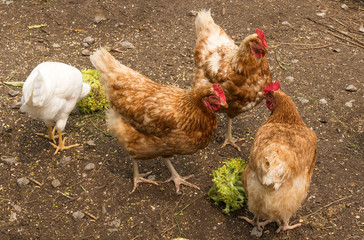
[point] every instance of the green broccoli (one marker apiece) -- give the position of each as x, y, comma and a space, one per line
96, 100
228, 187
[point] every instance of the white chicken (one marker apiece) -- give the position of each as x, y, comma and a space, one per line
50, 93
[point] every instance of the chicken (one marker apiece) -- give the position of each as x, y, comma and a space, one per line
242, 71
152, 120
50, 93
282, 159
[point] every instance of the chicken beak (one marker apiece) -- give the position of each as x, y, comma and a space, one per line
224, 104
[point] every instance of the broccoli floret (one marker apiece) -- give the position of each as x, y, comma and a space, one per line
227, 187
96, 100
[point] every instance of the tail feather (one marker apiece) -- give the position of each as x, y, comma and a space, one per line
204, 22
105, 63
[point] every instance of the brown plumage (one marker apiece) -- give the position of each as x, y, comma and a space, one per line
242, 71
281, 164
152, 120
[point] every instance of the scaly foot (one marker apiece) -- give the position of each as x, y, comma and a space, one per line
50, 135
285, 227
255, 222
61, 145
178, 180
139, 178
232, 141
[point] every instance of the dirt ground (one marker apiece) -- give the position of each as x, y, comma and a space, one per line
316, 51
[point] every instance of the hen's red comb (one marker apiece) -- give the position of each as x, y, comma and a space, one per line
219, 90
261, 35
271, 87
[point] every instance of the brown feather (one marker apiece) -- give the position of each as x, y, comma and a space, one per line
282, 160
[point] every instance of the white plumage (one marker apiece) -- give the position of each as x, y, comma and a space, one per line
50, 93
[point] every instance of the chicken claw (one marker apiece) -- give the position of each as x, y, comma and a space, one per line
229, 138
285, 226
255, 222
176, 178
61, 145
50, 135
138, 177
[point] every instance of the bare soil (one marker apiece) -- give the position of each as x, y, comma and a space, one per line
302, 45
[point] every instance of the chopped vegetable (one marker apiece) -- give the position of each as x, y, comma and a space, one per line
96, 100
228, 187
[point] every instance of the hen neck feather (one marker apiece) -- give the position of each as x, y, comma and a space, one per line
244, 62
197, 114
285, 110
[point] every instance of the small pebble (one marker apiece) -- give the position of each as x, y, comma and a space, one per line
290, 79
85, 44
321, 14
15, 105
56, 183
16, 207
13, 93
151, 177
351, 88
22, 181
295, 61
89, 166
303, 100
86, 52
89, 40
337, 50
126, 45
78, 215
256, 233
361, 28
56, 45
64, 161
91, 143
285, 23
344, 6
323, 101
9, 160
12, 216
100, 16
350, 103
115, 223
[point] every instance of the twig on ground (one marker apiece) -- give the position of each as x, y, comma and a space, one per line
167, 230
280, 63
90, 215
327, 205
361, 44
35, 181
356, 44
116, 50
105, 133
324, 46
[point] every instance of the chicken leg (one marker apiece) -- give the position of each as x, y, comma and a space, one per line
228, 136
285, 226
61, 145
255, 222
139, 177
50, 135
176, 178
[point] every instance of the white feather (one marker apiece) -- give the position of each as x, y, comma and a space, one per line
51, 91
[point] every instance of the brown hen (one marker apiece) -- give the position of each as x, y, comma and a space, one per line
242, 71
281, 163
152, 120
